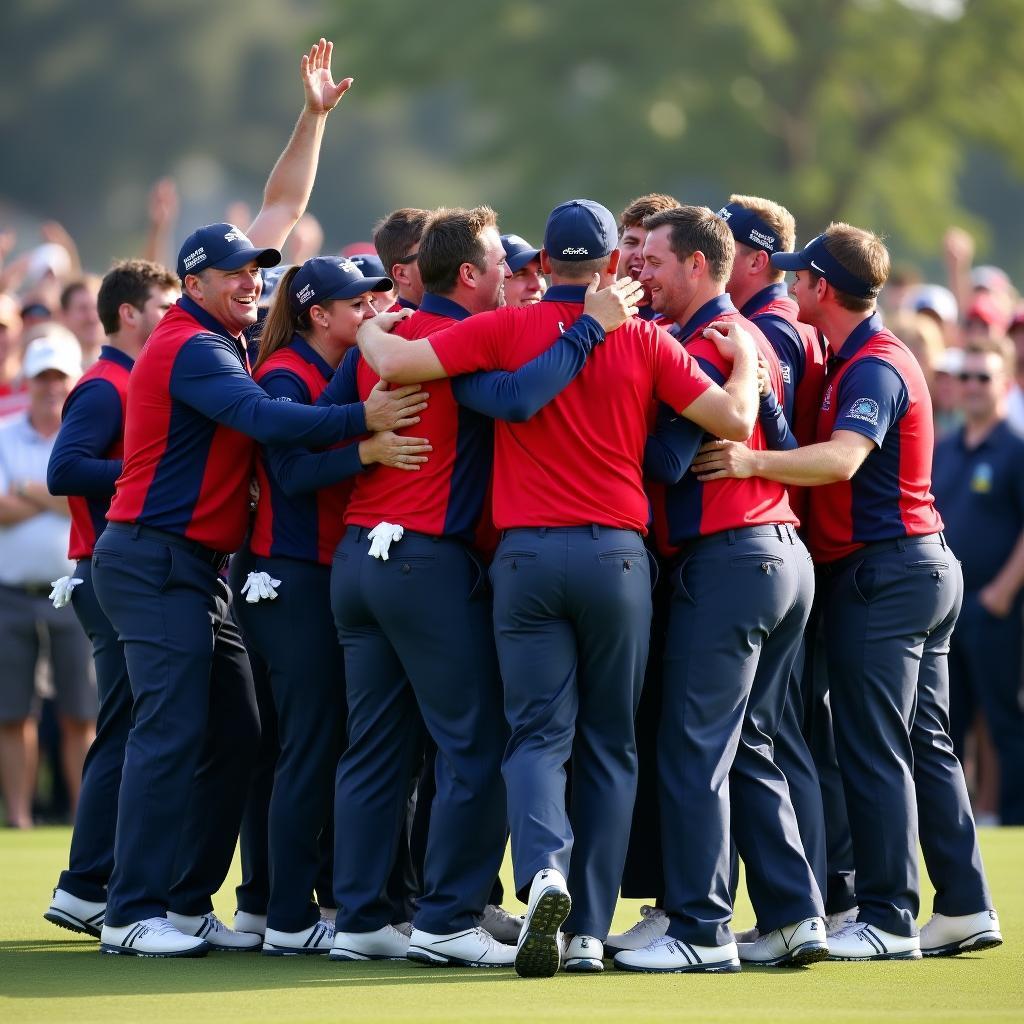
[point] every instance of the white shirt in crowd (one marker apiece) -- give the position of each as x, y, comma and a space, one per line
34, 551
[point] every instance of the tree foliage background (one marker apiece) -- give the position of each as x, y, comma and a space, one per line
901, 115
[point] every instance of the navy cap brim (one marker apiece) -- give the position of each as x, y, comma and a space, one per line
789, 260
261, 257
520, 259
366, 284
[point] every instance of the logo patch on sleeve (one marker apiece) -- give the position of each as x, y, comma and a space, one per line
865, 409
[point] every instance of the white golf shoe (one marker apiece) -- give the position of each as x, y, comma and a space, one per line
968, 933
155, 936
583, 955
316, 940
473, 947
863, 941
652, 925
672, 956
538, 953
795, 945
386, 943
213, 931
83, 916
835, 922
254, 923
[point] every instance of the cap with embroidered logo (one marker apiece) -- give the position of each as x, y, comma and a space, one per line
747, 227
223, 246
331, 277
580, 230
815, 256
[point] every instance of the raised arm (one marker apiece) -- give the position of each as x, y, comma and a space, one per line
291, 181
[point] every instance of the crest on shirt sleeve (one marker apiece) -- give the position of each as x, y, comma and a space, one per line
865, 409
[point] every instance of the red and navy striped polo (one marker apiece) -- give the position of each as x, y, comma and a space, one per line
86, 458
191, 416
693, 508
875, 388
446, 497
303, 494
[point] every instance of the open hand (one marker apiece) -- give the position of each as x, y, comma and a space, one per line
322, 94
730, 337
717, 460
394, 410
612, 306
394, 450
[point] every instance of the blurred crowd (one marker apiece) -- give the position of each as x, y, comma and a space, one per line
966, 331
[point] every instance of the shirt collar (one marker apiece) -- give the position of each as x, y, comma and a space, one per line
711, 310
115, 355
565, 293
310, 354
406, 304
211, 323
648, 313
758, 301
439, 305
857, 338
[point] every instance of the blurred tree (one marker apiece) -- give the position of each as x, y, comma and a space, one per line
902, 115
838, 108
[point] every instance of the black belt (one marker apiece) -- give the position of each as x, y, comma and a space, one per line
896, 544
781, 531
217, 559
594, 529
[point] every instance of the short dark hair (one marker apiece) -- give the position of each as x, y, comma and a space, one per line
451, 238
130, 281
698, 229
864, 255
397, 233
634, 215
578, 270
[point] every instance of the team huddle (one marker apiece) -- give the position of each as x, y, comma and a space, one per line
615, 548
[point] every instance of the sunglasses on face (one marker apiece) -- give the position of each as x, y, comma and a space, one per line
410, 258
981, 378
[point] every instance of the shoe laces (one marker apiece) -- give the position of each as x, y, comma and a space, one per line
648, 915
160, 925
216, 924
851, 929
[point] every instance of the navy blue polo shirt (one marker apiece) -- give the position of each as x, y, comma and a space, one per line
979, 493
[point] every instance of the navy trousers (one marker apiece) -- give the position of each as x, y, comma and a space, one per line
740, 603
295, 637
889, 613
572, 620
642, 875
91, 859
191, 748
416, 634
985, 672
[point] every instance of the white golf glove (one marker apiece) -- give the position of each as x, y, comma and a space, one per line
382, 536
259, 586
61, 593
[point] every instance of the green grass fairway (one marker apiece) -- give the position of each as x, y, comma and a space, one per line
52, 975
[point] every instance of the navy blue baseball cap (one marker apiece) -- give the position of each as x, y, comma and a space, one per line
747, 227
815, 256
580, 230
331, 277
518, 252
369, 264
223, 246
